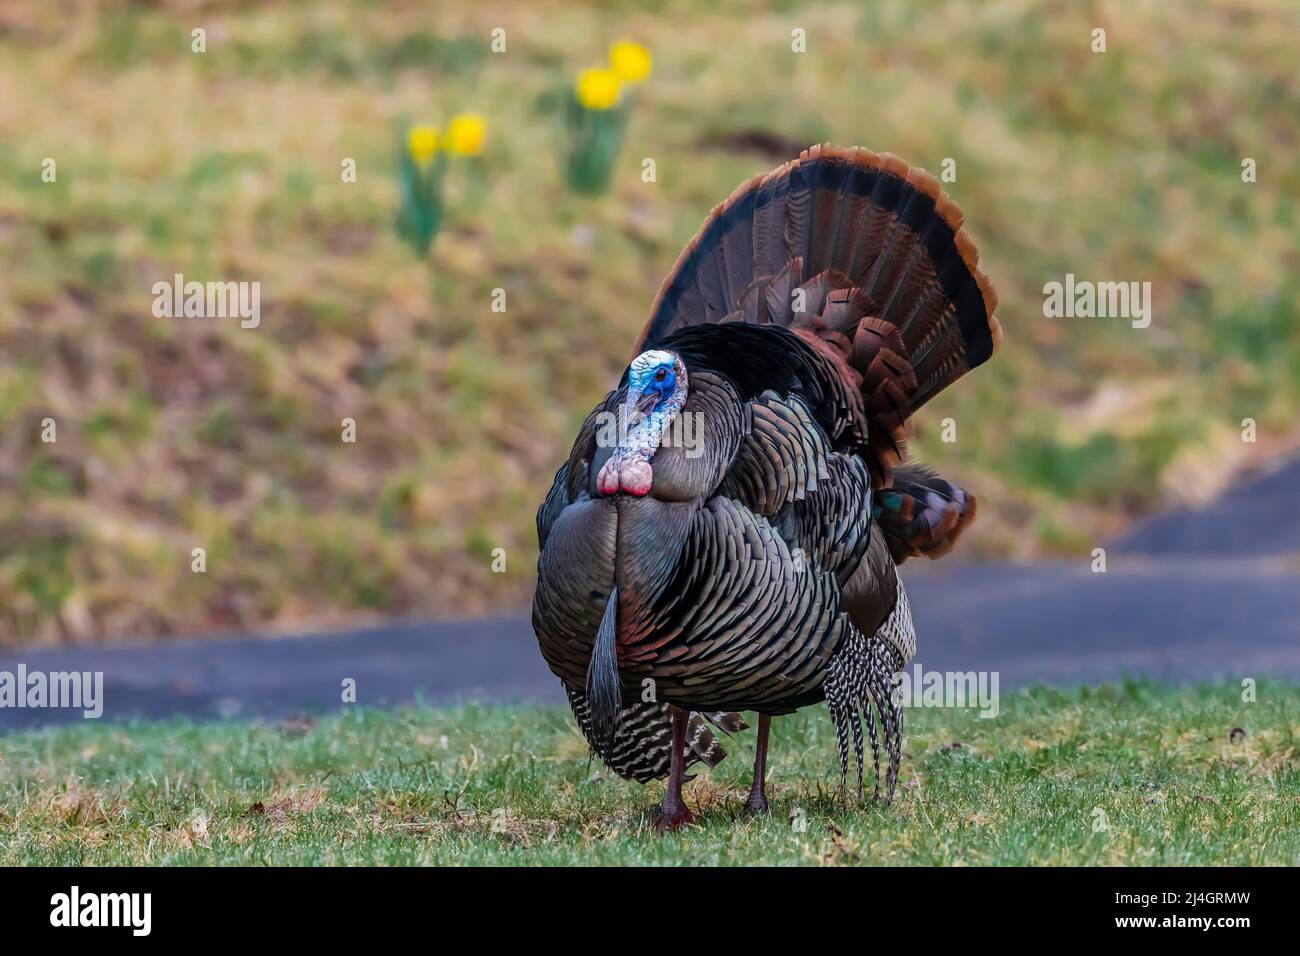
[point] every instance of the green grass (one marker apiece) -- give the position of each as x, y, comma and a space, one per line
484, 785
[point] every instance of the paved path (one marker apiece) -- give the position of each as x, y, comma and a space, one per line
1186, 596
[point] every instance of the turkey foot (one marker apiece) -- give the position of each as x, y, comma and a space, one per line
756, 805
669, 821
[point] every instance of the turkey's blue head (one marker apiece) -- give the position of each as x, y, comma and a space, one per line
652, 380
656, 391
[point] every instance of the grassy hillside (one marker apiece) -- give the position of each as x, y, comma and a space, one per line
181, 433
1120, 775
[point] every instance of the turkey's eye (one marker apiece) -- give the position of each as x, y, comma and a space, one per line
661, 375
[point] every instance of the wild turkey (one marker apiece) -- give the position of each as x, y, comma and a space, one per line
815, 311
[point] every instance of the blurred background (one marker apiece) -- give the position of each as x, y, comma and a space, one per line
224, 165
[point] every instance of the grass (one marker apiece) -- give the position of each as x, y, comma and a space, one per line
484, 785
176, 434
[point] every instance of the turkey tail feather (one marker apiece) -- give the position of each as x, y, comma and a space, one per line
922, 513
858, 252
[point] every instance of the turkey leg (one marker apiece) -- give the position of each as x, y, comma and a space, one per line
675, 814
757, 802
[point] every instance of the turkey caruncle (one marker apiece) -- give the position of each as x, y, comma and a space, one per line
815, 311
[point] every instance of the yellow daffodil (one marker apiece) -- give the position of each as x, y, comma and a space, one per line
422, 141
598, 89
465, 134
630, 61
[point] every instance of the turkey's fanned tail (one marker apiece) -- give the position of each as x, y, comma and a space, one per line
860, 254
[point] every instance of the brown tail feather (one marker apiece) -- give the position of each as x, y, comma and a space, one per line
922, 514
876, 251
